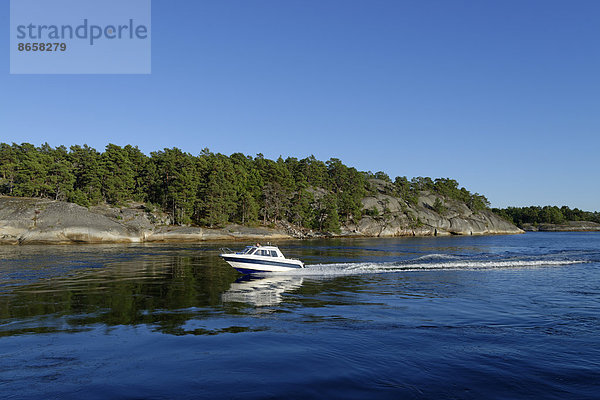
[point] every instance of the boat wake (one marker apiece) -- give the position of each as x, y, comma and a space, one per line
426, 263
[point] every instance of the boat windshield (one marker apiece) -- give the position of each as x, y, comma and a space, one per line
248, 250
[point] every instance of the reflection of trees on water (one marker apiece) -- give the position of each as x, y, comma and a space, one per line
173, 290
164, 291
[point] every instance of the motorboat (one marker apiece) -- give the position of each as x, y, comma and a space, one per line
260, 259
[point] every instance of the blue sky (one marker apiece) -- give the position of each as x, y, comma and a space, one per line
503, 96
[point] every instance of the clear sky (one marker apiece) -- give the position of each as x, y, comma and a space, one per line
503, 96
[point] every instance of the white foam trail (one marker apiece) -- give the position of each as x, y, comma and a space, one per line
470, 265
342, 269
436, 257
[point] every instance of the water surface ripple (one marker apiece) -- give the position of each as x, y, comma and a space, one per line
459, 317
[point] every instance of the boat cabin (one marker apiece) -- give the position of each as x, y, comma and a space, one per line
265, 251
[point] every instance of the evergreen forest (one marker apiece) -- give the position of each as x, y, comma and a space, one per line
213, 190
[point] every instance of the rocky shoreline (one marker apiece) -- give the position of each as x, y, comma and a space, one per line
42, 221
570, 226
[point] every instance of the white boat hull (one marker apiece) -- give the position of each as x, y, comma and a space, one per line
251, 264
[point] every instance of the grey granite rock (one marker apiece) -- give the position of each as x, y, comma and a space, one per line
570, 226
30, 220
398, 218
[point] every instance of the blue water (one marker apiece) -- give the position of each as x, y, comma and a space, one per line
498, 317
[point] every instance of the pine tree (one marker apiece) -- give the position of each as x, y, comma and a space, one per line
86, 169
30, 178
8, 168
175, 183
60, 178
218, 196
117, 175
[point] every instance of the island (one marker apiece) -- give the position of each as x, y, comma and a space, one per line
551, 219
80, 195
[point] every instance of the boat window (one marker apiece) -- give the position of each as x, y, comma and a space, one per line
250, 250
273, 253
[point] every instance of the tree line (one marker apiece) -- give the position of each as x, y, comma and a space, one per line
546, 214
209, 189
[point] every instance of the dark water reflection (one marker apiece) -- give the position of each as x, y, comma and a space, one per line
53, 289
162, 290
494, 317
